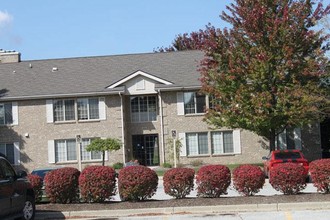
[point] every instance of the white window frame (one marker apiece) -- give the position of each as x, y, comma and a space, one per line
52, 152
139, 112
236, 143
220, 143
14, 114
89, 154
16, 152
101, 110
197, 149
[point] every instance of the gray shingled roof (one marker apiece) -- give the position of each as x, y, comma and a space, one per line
88, 75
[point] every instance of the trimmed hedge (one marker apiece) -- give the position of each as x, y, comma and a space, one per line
36, 182
288, 178
137, 183
320, 174
62, 185
213, 180
179, 182
248, 179
97, 183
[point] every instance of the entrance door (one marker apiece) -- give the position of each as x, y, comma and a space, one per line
325, 138
145, 149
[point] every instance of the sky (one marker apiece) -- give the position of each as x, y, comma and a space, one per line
47, 29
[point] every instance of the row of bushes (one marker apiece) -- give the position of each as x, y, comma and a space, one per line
98, 183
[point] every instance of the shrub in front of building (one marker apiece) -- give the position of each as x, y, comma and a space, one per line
288, 178
213, 181
97, 183
248, 179
179, 182
137, 183
320, 174
61, 185
36, 182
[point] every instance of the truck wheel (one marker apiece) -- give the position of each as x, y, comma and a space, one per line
29, 209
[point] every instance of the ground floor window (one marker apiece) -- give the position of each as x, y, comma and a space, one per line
210, 143
197, 143
89, 155
11, 151
222, 142
66, 151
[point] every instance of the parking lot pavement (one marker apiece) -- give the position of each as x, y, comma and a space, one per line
267, 190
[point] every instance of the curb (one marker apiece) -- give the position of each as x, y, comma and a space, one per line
186, 210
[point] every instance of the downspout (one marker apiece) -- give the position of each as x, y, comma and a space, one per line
161, 126
122, 127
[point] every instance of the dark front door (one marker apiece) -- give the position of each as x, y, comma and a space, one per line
146, 149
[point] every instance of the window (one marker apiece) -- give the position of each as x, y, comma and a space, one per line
290, 138
143, 108
88, 108
65, 150
197, 143
9, 151
222, 142
85, 108
64, 110
6, 115
194, 102
91, 155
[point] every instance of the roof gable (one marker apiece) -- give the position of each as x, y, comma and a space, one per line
136, 74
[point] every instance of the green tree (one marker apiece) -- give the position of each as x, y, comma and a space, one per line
102, 145
264, 73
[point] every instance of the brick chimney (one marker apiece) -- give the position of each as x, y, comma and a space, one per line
7, 56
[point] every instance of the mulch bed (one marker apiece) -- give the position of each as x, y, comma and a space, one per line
303, 197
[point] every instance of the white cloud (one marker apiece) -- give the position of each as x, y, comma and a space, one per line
5, 18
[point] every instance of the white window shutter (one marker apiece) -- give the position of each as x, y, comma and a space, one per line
237, 141
51, 151
15, 113
182, 139
106, 155
102, 108
180, 103
297, 138
17, 154
49, 111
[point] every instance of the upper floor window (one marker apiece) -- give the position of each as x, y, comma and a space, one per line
143, 108
194, 102
64, 110
75, 109
88, 108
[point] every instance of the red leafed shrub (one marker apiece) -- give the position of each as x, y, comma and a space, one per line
179, 182
320, 173
248, 179
62, 185
36, 182
213, 180
288, 178
97, 183
137, 183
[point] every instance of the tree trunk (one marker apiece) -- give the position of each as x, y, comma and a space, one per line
103, 157
272, 138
